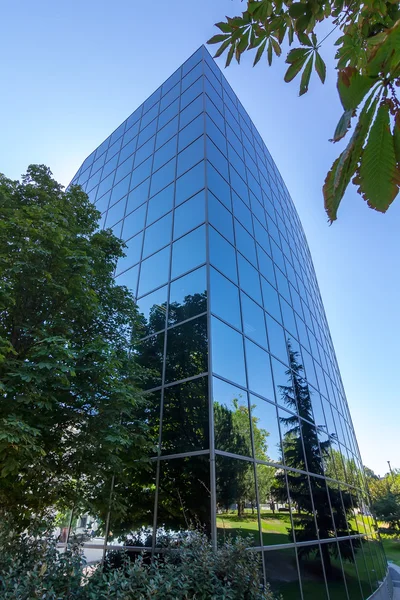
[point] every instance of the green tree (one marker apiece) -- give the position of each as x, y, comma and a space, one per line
368, 71
310, 495
387, 508
70, 390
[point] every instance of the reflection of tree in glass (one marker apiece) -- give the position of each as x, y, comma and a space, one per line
297, 397
235, 478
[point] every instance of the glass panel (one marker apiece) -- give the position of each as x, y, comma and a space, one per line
162, 177
227, 352
350, 570
190, 156
220, 217
188, 252
154, 271
216, 158
187, 350
231, 419
222, 255
221, 290
312, 572
129, 279
188, 296
153, 308
190, 183
266, 265
245, 243
150, 353
276, 338
191, 111
160, 204
267, 442
165, 153
219, 187
157, 235
249, 279
132, 514
236, 499
271, 299
243, 214
138, 196
167, 132
132, 253
281, 571
253, 321
184, 497
259, 370
191, 132
185, 423
189, 215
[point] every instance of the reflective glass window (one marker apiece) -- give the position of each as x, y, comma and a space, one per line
191, 132
147, 133
149, 116
266, 265
115, 213
109, 166
185, 417
214, 113
271, 299
253, 320
169, 97
189, 215
138, 196
283, 286
188, 252
190, 112
222, 255
188, 296
153, 308
236, 161
190, 156
192, 61
129, 279
218, 186
171, 81
102, 203
157, 235
193, 74
216, 158
164, 154
141, 173
134, 222
166, 115
220, 217
154, 271
123, 170
161, 178
215, 134
160, 204
191, 93
239, 186
166, 133
130, 134
261, 235
190, 183
224, 299
187, 350
231, 419
227, 352
133, 250
276, 338
245, 243
105, 185
267, 441
288, 318
119, 190
281, 585
242, 213
150, 353
249, 279
144, 152
259, 370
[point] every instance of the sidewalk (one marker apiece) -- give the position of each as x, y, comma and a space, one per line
395, 574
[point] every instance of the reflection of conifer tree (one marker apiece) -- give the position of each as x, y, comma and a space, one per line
296, 396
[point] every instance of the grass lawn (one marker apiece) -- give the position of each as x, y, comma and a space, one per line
391, 546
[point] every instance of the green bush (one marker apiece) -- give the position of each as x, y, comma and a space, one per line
32, 568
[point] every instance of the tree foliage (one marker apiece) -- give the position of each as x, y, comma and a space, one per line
32, 568
69, 387
368, 74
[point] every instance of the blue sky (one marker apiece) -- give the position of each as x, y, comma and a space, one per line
71, 73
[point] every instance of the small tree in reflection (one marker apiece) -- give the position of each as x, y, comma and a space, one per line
296, 396
235, 478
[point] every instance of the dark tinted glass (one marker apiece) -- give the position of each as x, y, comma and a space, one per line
188, 296
187, 353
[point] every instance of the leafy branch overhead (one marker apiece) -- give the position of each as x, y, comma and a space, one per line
368, 78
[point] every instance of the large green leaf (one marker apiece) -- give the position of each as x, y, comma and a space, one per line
320, 67
396, 136
385, 54
343, 126
346, 164
378, 175
295, 67
353, 87
305, 78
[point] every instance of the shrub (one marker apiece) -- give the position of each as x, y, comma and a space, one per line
32, 568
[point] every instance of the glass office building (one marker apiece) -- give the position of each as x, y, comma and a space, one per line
246, 404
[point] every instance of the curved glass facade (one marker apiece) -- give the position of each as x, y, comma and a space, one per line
247, 408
